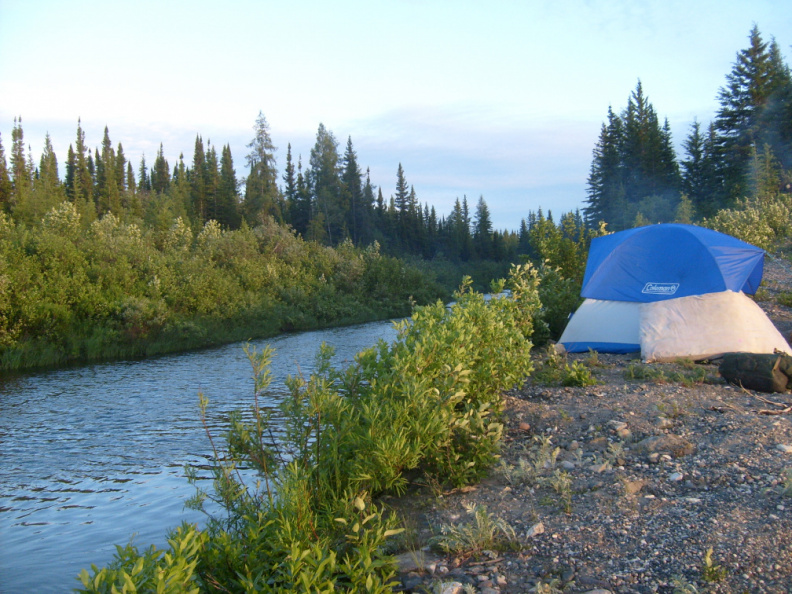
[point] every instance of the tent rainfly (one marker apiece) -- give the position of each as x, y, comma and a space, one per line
671, 291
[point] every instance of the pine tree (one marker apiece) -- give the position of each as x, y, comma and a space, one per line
261, 187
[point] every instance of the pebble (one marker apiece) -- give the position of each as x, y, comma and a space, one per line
782, 447
535, 530
676, 477
451, 588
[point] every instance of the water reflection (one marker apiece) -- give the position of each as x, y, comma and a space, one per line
92, 455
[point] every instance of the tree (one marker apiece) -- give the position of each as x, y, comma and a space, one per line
227, 213
198, 182
358, 220
108, 196
21, 174
482, 231
261, 187
698, 171
746, 119
160, 173
324, 184
5, 182
82, 189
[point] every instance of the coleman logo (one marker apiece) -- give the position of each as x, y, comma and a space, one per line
660, 288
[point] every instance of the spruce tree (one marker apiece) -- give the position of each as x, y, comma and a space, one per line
324, 184
198, 182
228, 192
5, 182
358, 219
160, 173
745, 121
261, 187
482, 233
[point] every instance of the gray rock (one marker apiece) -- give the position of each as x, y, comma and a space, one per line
535, 530
670, 444
782, 447
451, 588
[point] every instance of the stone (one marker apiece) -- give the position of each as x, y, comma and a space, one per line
782, 447
669, 444
676, 477
633, 487
451, 588
535, 530
617, 426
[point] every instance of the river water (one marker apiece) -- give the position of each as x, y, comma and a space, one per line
91, 456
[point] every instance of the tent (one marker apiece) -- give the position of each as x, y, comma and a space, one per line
671, 291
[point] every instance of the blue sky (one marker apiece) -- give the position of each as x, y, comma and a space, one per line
503, 99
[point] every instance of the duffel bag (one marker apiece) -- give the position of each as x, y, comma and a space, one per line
758, 371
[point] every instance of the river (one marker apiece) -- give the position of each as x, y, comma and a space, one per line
92, 455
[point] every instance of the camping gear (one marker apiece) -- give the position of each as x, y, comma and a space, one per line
671, 291
705, 327
668, 261
761, 372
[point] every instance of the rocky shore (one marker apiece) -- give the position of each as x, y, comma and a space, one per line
659, 478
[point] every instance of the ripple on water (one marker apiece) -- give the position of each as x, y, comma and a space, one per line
94, 455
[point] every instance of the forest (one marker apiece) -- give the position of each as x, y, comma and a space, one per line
116, 260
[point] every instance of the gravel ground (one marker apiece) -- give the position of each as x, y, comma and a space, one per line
626, 485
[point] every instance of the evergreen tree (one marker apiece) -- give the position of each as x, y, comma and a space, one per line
698, 171
358, 220
261, 187
48, 166
144, 182
21, 174
108, 196
324, 184
198, 189
746, 119
482, 233
227, 213
6, 187
83, 177
160, 173
71, 168
121, 169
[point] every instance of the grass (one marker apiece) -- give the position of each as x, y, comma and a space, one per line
485, 532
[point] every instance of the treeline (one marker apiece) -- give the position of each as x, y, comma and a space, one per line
636, 177
328, 201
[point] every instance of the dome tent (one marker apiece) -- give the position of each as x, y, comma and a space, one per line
671, 291
668, 261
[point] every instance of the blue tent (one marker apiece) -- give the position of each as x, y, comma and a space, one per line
660, 262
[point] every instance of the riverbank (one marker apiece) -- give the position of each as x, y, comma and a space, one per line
660, 478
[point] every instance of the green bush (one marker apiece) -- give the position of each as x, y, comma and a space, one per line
430, 401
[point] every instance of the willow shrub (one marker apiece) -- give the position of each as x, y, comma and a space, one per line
428, 402
74, 292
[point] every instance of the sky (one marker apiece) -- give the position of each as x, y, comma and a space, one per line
502, 99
